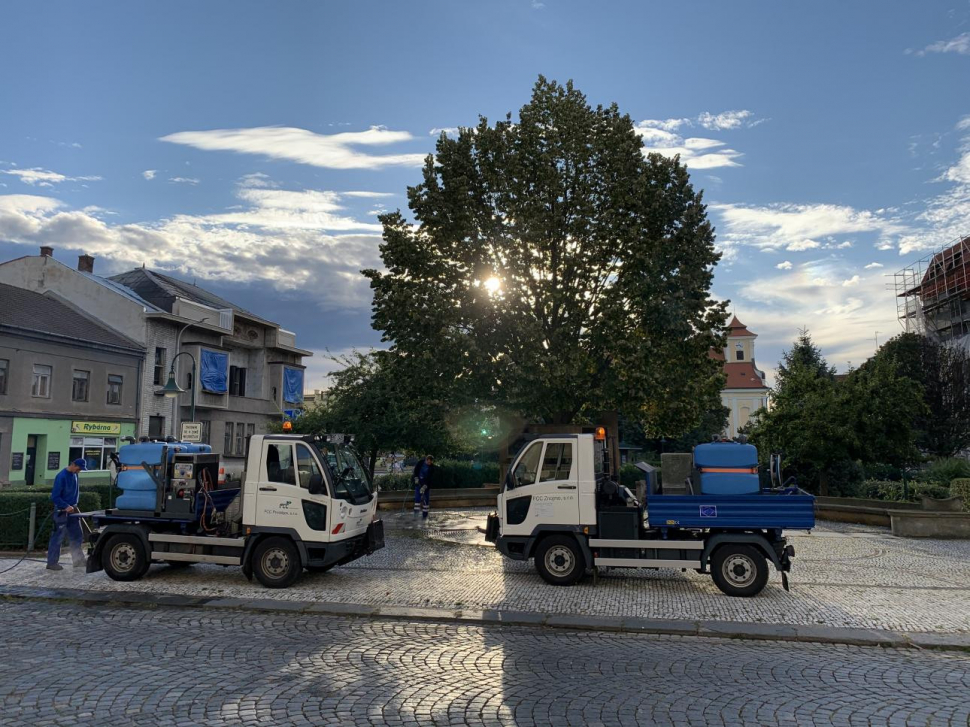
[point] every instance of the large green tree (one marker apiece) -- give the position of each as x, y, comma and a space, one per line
943, 371
555, 270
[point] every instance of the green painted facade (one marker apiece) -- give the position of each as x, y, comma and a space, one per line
52, 435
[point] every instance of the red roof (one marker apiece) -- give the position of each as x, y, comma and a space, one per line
737, 328
743, 375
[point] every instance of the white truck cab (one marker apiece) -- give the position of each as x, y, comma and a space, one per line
304, 502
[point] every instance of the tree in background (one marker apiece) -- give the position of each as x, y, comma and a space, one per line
555, 271
826, 428
369, 399
944, 373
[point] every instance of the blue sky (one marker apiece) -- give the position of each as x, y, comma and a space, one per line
250, 145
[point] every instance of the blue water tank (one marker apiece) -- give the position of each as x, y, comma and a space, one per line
715, 461
138, 488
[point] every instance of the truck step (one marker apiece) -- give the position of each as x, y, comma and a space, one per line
196, 540
652, 544
193, 558
646, 563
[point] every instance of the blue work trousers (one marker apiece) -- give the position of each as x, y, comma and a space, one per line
63, 524
422, 502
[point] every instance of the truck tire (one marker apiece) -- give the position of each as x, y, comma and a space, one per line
123, 558
739, 570
276, 562
559, 560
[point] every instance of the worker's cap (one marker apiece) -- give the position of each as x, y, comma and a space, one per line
80, 463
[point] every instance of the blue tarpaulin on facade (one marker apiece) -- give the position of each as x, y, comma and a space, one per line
293, 385
214, 371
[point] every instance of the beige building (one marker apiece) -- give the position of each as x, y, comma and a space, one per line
316, 399
745, 390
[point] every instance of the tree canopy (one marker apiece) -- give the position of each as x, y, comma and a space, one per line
554, 269
826, 426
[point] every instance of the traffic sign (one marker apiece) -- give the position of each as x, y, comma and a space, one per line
191, 432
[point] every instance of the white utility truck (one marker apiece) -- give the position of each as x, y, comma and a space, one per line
304, 502
560, 506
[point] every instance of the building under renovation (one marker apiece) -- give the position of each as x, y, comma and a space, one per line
933, 294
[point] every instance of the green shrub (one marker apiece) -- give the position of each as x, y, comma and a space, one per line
14, 516
961, 488
879, 471
393, 482
104, 490
944, 470
629, 475
893, 491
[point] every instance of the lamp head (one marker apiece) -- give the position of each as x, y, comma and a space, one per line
171, 389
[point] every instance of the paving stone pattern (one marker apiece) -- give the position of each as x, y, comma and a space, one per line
68, 665
844, 576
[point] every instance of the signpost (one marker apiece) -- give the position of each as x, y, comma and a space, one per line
191, 432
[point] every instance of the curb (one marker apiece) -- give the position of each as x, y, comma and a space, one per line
573, 622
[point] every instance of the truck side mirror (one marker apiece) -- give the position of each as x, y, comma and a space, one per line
316, 484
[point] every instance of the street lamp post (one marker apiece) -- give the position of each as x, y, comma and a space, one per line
171, 388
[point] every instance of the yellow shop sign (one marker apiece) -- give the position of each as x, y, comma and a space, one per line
95, 428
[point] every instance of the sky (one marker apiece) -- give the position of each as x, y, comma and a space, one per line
250, 146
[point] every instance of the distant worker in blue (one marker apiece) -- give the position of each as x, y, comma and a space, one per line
65, 496
424, 472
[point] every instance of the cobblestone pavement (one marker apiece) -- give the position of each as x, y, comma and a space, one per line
844, 576
67, 665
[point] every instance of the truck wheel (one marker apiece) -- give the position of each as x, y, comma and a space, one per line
276, 563
124, 559
739, 570
559, 560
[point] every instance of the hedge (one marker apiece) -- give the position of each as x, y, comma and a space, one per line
961, 487
15, 516
450, 475
104, 490
893, 491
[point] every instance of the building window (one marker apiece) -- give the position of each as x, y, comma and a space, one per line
237, 381
41, 384
206, 431
115, 382
156, 427
240, 438
227, 444
250, 430
79, 388
4, 365
95, 451
740, 351
159, 377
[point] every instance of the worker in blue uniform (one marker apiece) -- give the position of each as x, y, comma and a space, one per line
65, 494
423, 474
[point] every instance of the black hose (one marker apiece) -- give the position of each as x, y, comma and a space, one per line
24, 557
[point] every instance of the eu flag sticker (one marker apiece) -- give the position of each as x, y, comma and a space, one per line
708, 511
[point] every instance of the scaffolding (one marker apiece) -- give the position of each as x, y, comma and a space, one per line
933, 294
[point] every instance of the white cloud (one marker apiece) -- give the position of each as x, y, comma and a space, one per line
960, 44
367, 195
662, 136
786, 265
44, 177
449, 130
184, 180
726, 120
854, 280
149, 174
294, 241
873, 266
798, 227
332, 151
841, 319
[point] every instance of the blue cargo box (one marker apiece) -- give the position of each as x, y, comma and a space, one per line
764, 511
727, 468
725, 454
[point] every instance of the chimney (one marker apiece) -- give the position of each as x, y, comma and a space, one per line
46, 251
85, 263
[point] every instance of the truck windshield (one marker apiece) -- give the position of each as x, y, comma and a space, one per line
349, 477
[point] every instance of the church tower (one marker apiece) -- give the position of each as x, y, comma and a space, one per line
745, 390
